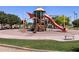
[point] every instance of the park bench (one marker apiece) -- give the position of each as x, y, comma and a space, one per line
69, 37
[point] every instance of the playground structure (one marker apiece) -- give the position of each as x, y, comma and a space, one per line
23, 27
40, 20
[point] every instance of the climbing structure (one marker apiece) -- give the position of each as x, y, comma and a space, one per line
39, 22
24, 26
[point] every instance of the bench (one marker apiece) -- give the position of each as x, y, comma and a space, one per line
67, 37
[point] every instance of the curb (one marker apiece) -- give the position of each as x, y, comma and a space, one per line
23, 48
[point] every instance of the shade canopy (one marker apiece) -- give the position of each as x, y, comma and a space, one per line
39, 12
40, 9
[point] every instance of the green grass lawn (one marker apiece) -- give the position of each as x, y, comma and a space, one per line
43, 44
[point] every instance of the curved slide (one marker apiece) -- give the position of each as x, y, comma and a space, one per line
52, 20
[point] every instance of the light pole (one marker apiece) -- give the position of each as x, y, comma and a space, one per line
64, 22
75, 18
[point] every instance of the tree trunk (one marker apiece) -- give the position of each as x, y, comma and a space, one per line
1, 26
10, 26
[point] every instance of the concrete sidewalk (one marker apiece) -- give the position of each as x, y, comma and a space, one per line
48, 35
12, 48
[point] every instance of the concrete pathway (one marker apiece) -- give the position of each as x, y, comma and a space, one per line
12, 48
48, 35
7, 49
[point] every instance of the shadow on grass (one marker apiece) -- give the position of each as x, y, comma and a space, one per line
75, 49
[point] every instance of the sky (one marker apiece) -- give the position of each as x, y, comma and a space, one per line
21, 11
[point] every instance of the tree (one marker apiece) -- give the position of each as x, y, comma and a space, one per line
13, 19
61, 20
10, 19
2, 19
75, 23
